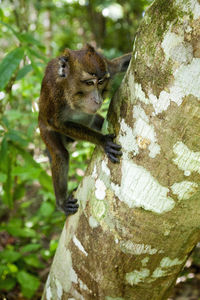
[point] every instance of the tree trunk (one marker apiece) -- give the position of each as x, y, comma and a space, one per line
139, 220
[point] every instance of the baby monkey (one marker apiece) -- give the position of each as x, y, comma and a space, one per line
72, 91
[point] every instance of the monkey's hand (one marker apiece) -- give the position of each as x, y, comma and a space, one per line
111, 149
70, 206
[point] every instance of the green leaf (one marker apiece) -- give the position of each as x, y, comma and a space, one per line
11, 29
1, 13
38, 55
12, 268
46, 209
46, 181
30, 248
9, 255
35, 65
26, 204
23, 72
4, 154
16, 137
26, 173
29, 283
45, 254
5, 122
28, 158
48, 195
19, 191
28, 38
3, 269
2, 177
33, 261
14, 114
7, 186
53, 246
7, 284
15, 222
9, 64
21, 232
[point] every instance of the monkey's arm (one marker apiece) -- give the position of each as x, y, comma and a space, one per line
80, 132
60, 157
59, 167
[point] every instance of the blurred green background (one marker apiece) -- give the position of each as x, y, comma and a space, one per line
32, 32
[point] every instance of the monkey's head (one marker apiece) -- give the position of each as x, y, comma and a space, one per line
85, 75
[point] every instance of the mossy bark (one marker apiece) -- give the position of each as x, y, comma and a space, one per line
139, 220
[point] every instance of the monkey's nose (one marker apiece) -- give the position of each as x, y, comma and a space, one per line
98, 100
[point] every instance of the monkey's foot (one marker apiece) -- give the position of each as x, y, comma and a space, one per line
112, 149
70, 207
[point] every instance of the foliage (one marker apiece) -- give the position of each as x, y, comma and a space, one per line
32, 32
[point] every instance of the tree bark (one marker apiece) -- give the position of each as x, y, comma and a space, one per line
139, 220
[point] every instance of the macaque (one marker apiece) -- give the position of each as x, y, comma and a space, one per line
73, 89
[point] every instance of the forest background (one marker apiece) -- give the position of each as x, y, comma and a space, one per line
31, 33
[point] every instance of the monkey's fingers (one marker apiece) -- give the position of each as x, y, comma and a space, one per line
114, 151
71, 200
70, 206
113, 145
110, 136
113, 158
71, 210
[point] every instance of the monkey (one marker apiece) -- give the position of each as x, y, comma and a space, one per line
72, 91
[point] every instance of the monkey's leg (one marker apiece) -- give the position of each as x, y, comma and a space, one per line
59, 168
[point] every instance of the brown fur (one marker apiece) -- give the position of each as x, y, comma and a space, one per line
72, 91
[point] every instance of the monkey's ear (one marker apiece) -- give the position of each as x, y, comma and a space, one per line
66, 53
119, 64
63, 70
89, 47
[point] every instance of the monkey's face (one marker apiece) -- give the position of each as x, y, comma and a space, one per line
85, 76
90, 92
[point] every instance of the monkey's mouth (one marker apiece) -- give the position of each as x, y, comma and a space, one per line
92, 109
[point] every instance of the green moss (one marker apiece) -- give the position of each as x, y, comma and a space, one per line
98, 209
111, 298
150, 56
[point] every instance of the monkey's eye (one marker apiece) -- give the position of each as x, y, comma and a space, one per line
79, 93
101, 81
89, 82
